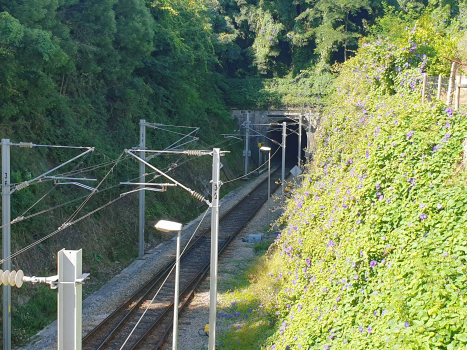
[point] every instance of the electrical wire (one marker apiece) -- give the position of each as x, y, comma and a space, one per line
61, 228
163, 283
32, 206
93, 192
251, 172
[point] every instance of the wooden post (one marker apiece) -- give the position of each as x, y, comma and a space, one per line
424, 79
452, 82
440, 82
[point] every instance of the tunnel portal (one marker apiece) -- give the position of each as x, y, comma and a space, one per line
265, 128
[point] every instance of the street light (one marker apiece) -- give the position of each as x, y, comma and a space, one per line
170, 226
268, 149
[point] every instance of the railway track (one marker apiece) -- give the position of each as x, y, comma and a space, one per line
153, 328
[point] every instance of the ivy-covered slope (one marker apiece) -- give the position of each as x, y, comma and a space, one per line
373, 255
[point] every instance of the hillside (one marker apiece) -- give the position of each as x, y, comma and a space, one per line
371, 254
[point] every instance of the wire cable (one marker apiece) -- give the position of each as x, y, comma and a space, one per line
61, 228
93, 192
163, 283
251, 172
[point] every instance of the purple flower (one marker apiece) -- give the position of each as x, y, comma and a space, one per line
350, 161
361, 329
373, 263
377, 186
423, 216
368, 329
435, 148
409, 135
439, 206
407, 325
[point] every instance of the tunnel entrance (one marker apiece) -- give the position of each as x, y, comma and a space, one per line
291, 142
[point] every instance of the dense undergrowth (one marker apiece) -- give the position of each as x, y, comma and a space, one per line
372, 254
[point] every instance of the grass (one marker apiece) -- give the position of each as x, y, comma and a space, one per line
242, 316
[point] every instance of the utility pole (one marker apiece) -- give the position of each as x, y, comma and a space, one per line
6, 221
6, 241
284, 132
299, 140
142, 193
247, 141
214, 246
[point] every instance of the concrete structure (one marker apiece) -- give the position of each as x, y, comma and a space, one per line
259, 120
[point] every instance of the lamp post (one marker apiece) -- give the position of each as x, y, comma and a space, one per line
170, 226
268, 149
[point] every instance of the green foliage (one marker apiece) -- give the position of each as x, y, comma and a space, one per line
39, 312
372, 256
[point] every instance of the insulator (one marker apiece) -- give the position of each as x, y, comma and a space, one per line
198, 196
25, 144
22, 185
193, 152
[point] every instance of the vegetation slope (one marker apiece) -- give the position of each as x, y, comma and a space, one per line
372, 251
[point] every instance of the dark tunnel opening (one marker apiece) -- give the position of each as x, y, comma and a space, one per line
291, 148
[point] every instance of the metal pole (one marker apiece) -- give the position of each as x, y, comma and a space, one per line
284, 131
247, 141
299, 140
6, 242
214, 246
269, 183
142, 193
177, 285
69, 300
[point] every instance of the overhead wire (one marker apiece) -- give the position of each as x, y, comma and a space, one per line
251, 172
163, 283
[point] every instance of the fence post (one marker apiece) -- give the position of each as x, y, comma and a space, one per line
458, 93
440, 82
452, 82
424, 79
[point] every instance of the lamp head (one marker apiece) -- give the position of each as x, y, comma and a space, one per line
168, 226
265, 149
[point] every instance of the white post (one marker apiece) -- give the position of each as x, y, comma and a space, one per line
177, 286
6, 241
424, 81
69, 299
214, 246
452, 82
458, 93
247, 141
440, 82
284, 132
142, 194
299, 140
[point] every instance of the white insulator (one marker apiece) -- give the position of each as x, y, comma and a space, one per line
194, 152
22, 185
25, 144
198, 196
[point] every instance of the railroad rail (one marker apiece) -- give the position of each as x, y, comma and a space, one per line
153, 328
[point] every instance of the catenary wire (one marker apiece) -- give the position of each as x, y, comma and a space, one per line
251, 172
